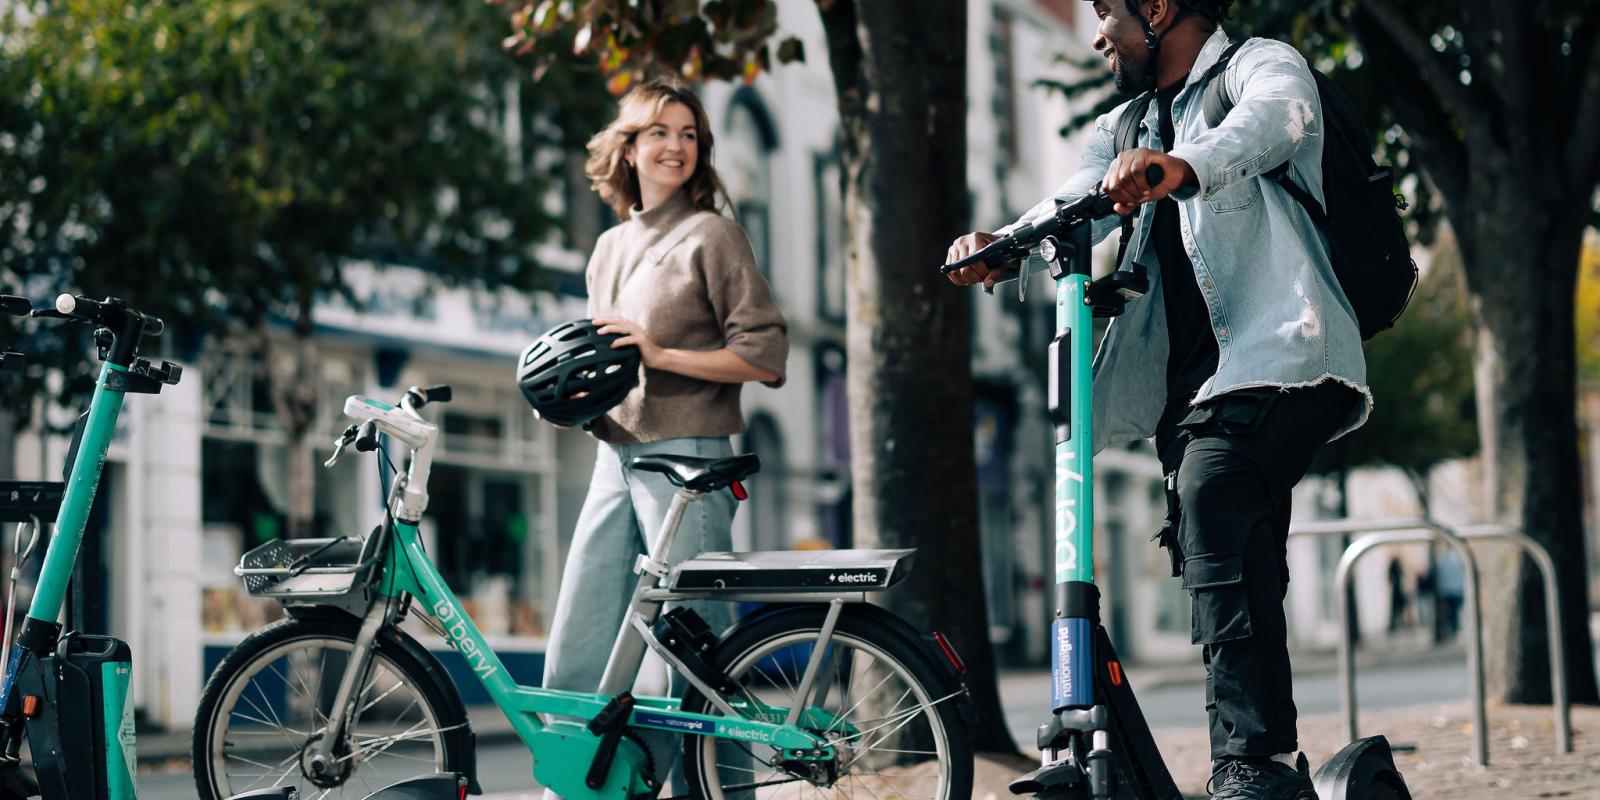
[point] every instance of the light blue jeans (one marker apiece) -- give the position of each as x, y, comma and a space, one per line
623, 510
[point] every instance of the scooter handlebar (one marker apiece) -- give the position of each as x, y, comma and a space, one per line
77, 307
1017, 243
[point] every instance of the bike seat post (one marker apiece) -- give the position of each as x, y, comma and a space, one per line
622, 667
661, 549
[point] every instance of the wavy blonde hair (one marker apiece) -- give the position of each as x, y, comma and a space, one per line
616, 182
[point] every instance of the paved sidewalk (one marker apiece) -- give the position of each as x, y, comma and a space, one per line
1438, 764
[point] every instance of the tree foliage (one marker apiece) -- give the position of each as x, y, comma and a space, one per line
715, 39
1589, 315
212, 161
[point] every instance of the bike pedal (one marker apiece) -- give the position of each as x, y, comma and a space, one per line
614, 716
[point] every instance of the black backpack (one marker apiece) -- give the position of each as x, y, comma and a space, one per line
1366, 237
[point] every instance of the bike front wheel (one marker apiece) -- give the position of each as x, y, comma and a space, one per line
268, 703
893, 717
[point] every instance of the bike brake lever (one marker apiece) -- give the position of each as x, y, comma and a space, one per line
338, 450
339, 444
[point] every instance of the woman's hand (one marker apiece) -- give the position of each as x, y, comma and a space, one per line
540, 417
632, 334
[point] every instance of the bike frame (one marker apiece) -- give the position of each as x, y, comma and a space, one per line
563, 750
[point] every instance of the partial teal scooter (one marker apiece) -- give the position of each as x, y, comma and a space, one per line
67, 694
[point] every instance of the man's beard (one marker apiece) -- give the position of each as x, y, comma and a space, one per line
1130, 78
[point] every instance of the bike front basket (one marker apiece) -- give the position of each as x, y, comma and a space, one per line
293, 568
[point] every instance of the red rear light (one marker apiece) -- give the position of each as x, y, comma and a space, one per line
1115, 668
738, 491
950, 653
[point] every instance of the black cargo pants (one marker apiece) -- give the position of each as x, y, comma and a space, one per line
1232, 463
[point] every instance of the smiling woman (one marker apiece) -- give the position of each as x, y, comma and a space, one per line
678, 281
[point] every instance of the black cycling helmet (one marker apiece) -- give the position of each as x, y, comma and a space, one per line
572, 376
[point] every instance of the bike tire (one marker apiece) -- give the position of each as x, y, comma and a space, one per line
400, 661
753, 653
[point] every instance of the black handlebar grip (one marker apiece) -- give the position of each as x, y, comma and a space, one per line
438, 394
75, 307
153, 326
367, 437
15, 306
1154, 175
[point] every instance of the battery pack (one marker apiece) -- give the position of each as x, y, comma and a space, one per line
80, 727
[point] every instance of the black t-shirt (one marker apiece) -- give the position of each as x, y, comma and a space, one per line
1192, 357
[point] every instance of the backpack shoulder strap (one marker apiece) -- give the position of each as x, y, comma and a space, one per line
658, 251
1216, 102
1127, 136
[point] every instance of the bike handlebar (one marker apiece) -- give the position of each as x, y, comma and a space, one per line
15, 306
1016, 244
433, 394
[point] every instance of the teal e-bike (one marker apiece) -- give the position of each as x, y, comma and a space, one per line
67, 694
817, 694
1096, 744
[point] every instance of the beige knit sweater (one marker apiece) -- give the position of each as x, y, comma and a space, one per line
705, 294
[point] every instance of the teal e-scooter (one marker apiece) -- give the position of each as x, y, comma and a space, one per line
1096, 744
68, 694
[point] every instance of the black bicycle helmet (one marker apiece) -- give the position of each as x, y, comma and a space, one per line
572, 376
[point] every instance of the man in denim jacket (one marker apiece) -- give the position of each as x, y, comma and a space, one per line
1243, 359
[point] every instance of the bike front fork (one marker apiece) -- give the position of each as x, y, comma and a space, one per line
323, 757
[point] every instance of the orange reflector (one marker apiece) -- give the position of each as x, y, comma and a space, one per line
1116, 672
30, 705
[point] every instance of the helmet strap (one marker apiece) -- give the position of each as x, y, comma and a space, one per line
1152, 40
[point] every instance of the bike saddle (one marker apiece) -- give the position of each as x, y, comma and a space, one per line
700, 474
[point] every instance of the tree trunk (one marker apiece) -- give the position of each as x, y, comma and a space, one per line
900, 71
292, 383
1522, 267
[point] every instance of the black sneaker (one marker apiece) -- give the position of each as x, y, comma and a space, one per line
1259, 779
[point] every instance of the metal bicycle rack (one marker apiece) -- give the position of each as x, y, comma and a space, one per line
1552, 617
1400, 531
1378, 533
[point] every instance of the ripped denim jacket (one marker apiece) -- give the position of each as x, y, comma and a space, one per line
1278, 314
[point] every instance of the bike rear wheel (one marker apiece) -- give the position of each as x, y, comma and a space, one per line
895, 720
269, 700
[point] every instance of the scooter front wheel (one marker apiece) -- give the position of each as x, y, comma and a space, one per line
268, 703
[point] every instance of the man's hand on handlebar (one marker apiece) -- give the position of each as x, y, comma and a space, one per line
1126, 183
976, 273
